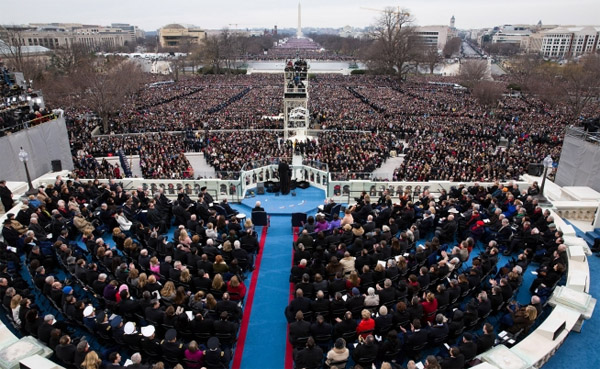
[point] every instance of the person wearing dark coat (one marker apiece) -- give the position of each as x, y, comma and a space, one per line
487, 339
415, 338
300, 303
45, 329
311, 357
65, 351
437, 331
468, 347
455, 361
298, 329
365, 353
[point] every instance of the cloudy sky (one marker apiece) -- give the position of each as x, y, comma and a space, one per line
152, 14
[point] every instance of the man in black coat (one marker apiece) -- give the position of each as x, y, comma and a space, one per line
487, 339
298, 329
455, 361
416, 338
46, 328
284, 177
437, 331
309, 357
154, 313
65, 351
300, 303
365, 354
468, 347
6, 196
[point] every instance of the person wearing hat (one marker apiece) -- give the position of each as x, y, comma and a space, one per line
89, 317
214, 356
149, 342
171, 347
102, 323
468, 347
208, 199
131, 336
116, 327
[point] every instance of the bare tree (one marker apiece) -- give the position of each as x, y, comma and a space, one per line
392, 50
452, 47
432, 57
106, 86
487, 93
68, 58
13, 50
472, 71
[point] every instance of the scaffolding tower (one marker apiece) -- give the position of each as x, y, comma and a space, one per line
295, 98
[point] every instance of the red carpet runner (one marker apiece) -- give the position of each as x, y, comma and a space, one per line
239, 350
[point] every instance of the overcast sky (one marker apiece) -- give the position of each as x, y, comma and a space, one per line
152, 14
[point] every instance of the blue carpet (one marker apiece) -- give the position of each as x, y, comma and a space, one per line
578, 349
266, 340
306, 200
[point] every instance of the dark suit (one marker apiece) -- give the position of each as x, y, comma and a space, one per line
436, 332
298, 329
453, 362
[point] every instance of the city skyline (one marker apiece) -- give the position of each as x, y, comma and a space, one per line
152, 14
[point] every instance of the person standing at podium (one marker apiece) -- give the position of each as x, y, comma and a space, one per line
284, 177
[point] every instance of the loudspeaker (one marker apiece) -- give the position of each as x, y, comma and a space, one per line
56, 165
535, 169
260, 188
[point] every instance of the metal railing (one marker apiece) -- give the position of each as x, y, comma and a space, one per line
582, 134
30, 123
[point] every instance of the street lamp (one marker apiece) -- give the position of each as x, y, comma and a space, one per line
547, 163
24, 157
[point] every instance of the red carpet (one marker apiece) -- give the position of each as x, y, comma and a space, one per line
289, 360
239, 350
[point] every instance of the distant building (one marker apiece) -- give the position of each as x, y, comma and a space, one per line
54, 35
174, 35
512, 34
567, 41
435, 35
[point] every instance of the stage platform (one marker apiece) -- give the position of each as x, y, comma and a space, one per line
305, 201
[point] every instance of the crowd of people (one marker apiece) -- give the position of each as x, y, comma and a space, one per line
18, 105
443, 131
174, 298
393, 278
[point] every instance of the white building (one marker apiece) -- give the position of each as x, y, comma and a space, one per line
565, 42
434, 35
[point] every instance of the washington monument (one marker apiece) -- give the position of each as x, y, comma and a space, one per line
299, 30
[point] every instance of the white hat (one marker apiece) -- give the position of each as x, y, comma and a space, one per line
88, 311
130, 328
148, 331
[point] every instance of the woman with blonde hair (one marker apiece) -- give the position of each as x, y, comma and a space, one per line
154, 265
348, 218
168, 291
15, 307
91, 361
218, 283
142, 280
236, 289
366, 325
184, 238
133, 277
185, 276
523, 319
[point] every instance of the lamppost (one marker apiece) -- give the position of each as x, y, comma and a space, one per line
547, 163
24, 157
